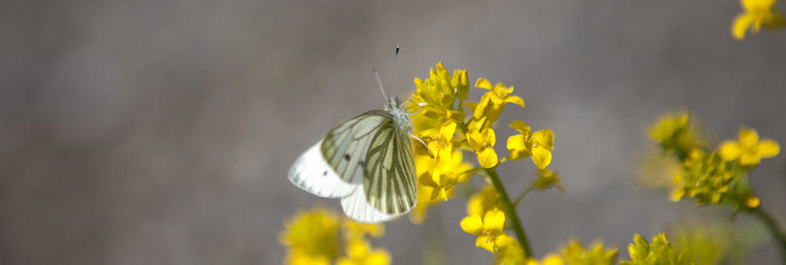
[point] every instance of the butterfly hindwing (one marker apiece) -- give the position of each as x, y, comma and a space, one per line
312, 173
390, 183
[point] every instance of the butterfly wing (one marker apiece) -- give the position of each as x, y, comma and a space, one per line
389, 185
333, 168
311, 173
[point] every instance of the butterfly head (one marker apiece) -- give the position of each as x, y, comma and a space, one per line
400, 116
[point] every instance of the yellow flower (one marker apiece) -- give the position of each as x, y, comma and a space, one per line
705, 243
749, 150
538, 145
357, 231
546, 180
483, 201
448, 170
317, 237
488, 230
659, 252
513, 254
493, 102
312, 237
358, 253
757, 13
575, 254
438, 167
482, 139
675, 133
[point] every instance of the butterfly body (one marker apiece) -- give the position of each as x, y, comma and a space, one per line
366, 162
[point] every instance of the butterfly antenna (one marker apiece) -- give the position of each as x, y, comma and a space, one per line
379, 82
423, 143
393, 71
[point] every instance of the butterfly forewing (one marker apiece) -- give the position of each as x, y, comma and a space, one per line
345, 146
390, 184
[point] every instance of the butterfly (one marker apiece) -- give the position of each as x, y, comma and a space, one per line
366, 162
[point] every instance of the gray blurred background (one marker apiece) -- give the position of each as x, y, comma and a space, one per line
160, 132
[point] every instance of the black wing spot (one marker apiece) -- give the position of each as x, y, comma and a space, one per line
324, 173
346, 157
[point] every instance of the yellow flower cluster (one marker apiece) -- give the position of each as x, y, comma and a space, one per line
757, 14
538, 144
713, 177
660, 251
439, 166
319, 237
572, 254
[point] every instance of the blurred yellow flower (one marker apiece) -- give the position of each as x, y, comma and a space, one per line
538, 145
705, 178
513, 254
483, 201
488, 229
575, 254
705, 243
757, 14
358, 253
319, 237
675, 133
312, 237
659, 252
749, 150
551, 259
482, 139
546, 180
493, 102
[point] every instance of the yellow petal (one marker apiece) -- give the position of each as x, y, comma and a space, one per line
541, 157
741, 24
491, 137
768, 148
482, 108
472, 224
485, 242
515, 100
483, 83
503, 240
487, 158
544, 138
748, 159
494, 221
520, 126
447, 130
730, 150
516, 143
470, 105
748, 138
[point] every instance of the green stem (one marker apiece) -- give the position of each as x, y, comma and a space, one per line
511, 212
521, 197
775, 229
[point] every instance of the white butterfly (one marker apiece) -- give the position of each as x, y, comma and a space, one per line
366, 162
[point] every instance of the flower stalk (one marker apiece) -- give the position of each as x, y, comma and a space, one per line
775, 229
511, 211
